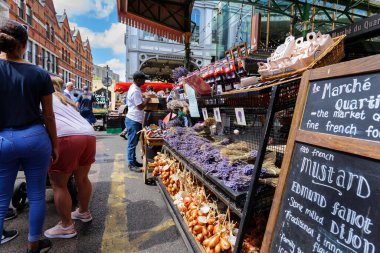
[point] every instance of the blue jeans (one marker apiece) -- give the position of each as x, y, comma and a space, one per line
133, 138
29, 149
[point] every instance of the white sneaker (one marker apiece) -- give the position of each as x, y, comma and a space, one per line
84, 217
58, 231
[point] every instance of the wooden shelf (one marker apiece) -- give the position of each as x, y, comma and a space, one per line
207, 183
191, 244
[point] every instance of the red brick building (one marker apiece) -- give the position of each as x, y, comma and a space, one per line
52, 44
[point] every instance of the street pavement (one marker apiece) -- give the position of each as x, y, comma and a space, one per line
129, 216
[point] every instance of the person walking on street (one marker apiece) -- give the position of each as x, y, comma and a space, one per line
27, 139
123, 134
77, 148
133, 121
68, 90
84, 104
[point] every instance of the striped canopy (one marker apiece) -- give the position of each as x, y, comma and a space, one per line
166, 18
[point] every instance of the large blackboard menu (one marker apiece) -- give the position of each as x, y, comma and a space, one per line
331, 203
346, 106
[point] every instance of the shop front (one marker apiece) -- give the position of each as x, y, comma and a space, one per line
266, 165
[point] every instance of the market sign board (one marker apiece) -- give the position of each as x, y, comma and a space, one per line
347, 106
365, 28
100, 97
327, 199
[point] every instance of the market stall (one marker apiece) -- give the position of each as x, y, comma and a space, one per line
152, 139
219, 177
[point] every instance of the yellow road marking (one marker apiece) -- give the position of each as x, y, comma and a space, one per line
115, 236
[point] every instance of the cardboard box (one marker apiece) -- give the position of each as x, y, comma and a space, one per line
152, 105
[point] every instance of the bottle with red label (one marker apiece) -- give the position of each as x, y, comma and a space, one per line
241, 68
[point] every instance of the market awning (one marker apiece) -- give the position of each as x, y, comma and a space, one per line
166, 18
157, 86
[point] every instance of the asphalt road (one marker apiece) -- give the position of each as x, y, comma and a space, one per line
129, 216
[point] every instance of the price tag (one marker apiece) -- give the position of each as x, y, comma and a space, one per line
205, 114
217, 116
240, 117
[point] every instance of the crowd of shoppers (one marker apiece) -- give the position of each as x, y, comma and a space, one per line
27, 139
59, 142
43, 131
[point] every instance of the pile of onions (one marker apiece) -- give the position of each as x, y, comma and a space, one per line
210, 228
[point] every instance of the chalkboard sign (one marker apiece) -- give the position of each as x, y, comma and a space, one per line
328, 195
347, 106
331, 203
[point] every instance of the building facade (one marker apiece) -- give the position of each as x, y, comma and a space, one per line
157, 56
4, 9
217, 26
52, 44
100, 72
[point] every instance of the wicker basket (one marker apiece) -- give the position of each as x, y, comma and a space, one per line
331, 55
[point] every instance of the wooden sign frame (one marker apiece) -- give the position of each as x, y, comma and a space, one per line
361, 147
242, 50
235, 52
229, 55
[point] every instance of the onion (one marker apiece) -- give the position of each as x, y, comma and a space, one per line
232, 240
205, 209
202, 219
187, 201
218, 248
200, 237
206, 242
175, 177
224, 244
235, 231
197, 229
214, 241
211, 221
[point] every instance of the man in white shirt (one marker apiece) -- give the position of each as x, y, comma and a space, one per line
68, 90
133, 121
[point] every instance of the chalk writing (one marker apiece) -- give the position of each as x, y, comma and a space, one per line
347, 106
332, 202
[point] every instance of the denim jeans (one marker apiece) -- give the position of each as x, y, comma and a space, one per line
133, 138
29, 149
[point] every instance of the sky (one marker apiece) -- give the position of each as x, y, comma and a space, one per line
97, 20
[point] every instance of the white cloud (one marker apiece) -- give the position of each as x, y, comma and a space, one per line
116, 66
99, 8
111, 38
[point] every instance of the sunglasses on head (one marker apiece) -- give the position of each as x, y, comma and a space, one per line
26, 27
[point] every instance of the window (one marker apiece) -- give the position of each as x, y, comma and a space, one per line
36, 54
21, 9
69, 61
53, 64
76, 63
43, 58
52, 34
196, 18
29, 52
48, 61
214, 27
64, 35
47, 28
28, 15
